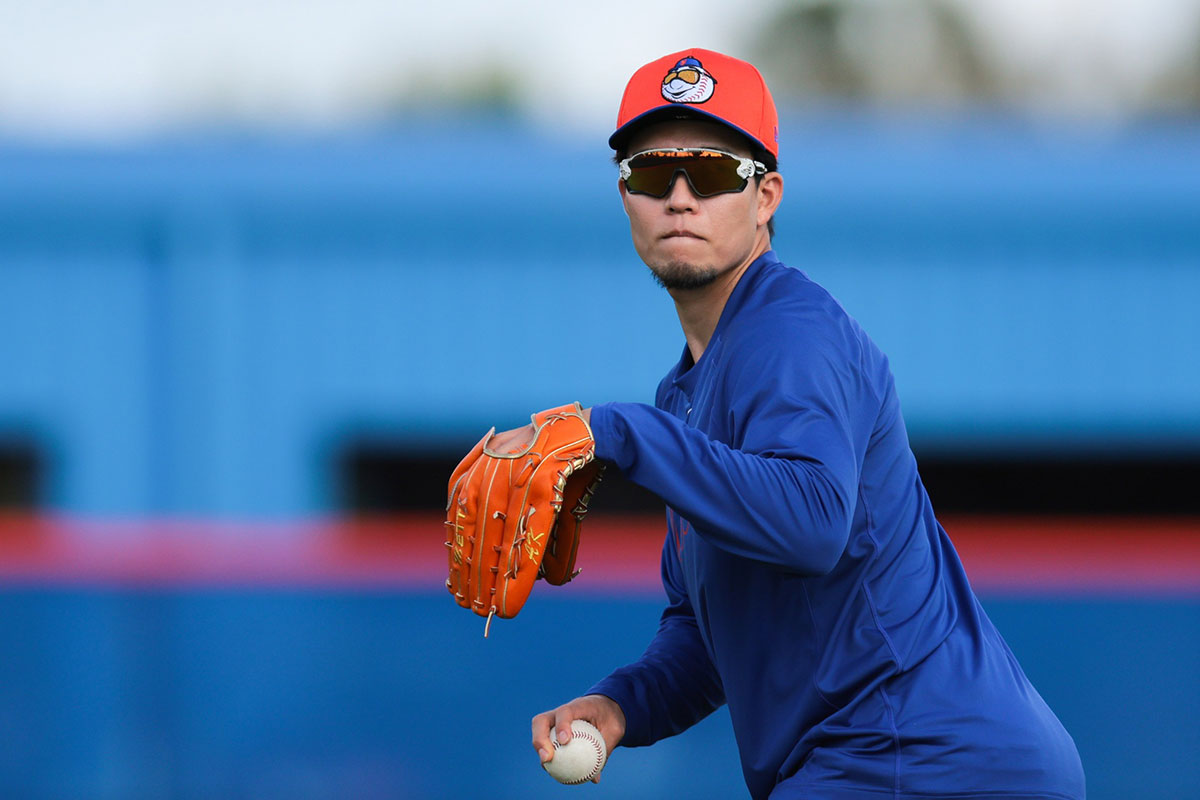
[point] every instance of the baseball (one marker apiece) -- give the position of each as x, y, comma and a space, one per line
580, 759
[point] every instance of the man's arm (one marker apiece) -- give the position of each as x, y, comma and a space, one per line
786, 494
671, 687
674, 684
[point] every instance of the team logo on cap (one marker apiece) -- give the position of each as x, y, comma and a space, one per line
688, 82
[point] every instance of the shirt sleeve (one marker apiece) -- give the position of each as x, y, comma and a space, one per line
784, 492
674, 684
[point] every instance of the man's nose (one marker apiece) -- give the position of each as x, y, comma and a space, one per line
680, 196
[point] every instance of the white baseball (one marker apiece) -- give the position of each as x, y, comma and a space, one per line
580, 759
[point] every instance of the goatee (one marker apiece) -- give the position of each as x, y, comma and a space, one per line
681, 275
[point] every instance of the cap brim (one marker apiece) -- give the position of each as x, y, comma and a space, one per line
672, 111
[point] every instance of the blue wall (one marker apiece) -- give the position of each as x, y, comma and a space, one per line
198, 326
260, 694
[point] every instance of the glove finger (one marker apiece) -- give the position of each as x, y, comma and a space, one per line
525, 532
462, 525
558, 566
491, 502
571, 448
470, 458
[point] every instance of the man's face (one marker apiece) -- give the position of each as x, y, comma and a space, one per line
688, 241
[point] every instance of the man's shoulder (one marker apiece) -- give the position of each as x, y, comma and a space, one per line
784, 300
791, 322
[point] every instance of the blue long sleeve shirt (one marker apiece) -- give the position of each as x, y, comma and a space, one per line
808, 583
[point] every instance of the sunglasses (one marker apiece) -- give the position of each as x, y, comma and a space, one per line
708, 171
685, 75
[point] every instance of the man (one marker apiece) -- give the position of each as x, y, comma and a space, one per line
809, 584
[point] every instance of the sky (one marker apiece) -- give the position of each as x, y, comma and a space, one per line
116, 68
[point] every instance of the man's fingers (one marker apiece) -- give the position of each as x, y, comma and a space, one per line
551, 726
543, 725
562, 727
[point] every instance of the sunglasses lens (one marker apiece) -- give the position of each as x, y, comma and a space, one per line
650, 175
711, 176
708, 172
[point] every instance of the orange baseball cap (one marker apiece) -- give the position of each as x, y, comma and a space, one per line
699, 84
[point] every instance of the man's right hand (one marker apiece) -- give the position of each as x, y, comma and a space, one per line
601, 711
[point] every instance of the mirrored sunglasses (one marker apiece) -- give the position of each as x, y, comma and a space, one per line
708, 171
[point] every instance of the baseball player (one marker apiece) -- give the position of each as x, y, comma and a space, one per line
809, 585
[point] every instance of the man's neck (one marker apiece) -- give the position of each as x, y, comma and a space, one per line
700, 309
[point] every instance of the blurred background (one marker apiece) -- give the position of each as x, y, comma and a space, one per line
253, 256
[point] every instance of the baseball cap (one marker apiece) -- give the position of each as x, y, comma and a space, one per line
699, 84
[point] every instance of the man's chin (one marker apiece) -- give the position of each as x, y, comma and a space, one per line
680, 275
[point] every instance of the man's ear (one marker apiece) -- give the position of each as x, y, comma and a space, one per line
624, 194
770, 194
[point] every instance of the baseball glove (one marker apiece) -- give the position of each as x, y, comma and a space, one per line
515, 516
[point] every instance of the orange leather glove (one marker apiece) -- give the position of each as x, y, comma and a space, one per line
514, 514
